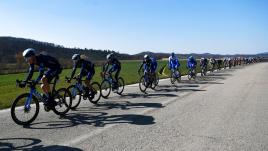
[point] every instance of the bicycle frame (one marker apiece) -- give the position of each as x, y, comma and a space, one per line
79, 87
33, 92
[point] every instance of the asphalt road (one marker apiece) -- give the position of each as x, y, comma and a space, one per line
227, 110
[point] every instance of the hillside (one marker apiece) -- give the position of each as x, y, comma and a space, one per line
10, 46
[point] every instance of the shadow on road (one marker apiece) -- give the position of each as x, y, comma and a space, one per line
30, 144
125, 105
98, 119
146, 95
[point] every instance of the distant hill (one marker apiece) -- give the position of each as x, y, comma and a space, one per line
10, 47
264, 54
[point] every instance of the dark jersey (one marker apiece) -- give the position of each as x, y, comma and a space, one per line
86, 66
43, 61
115, 65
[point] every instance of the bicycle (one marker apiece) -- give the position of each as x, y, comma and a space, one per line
78, 90
175, 75
108, 84
148, 80
28, 102
191, 74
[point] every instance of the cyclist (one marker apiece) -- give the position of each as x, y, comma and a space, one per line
191, 63
43, 61
173, 62
213, 63
112, 65
87, 69
204, 63
149, 64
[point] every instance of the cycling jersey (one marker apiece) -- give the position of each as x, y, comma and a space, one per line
112, 66
149, 65
45, 61
173, 62
203, 62
87, 69
191, 63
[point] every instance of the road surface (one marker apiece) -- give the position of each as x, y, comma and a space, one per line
227, 110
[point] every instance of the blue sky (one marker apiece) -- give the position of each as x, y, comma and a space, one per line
132, 26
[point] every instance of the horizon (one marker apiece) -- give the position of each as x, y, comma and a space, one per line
56, 44
216, 27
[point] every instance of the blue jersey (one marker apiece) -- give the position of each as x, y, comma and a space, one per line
191, 63
149, 65
173, 62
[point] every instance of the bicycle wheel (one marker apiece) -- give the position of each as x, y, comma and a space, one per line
64, 101
76, 96
142, 84
105, 88
121, 85
189, 75
179, 77
24, 115
95, 93
202, 73
172, 78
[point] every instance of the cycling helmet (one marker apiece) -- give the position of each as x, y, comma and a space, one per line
76, 57
28, 52
109, 56
146, 57
191, 57
173, 54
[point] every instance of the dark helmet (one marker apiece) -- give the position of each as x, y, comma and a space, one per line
28, 52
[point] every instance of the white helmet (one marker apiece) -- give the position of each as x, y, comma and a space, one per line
28, 52
109, 56
146, 57
76, 57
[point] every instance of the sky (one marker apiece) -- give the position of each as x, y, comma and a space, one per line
133, 26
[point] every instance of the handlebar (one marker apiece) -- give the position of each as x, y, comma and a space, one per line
30, 83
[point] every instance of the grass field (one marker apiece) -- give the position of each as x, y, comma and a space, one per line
129, 71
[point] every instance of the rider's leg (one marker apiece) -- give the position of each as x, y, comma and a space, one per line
45, 86
117, 75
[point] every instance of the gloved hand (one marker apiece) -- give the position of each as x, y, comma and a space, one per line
22, 84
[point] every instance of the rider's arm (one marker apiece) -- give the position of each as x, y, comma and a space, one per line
30, 73
41, 73
188, 64
106, 67
169, 63
82, 70
141, 67
74, 70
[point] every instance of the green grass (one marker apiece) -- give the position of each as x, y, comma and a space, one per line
129, 71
